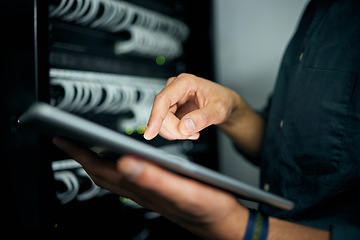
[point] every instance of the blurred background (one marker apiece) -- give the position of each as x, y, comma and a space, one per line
105, 60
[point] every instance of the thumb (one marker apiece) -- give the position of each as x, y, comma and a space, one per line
197, 120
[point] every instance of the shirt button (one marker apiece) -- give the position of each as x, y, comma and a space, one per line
281, 123
301, 56
266, 187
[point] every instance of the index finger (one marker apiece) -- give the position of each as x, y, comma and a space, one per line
163, 103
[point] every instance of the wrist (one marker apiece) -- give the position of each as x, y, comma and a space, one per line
230, 226
245, 128
257, 227
237, 111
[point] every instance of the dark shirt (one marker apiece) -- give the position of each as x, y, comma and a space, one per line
311, 151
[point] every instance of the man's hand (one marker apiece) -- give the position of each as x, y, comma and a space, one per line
187, 105
206, 211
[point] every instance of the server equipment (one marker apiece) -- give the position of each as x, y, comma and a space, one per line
104, 60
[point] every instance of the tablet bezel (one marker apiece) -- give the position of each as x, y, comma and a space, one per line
55, 122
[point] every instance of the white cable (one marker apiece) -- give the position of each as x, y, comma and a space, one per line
68, 93
71, 183
92, 192
54, 10
72, 15
65, 8
83, 92
118, 16
91, 14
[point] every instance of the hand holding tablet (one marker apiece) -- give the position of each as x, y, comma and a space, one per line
55, 122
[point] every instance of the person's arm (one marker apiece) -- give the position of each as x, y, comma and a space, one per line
246, 128
206, 211
189, 104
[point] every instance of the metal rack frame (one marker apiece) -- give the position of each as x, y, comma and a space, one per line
27, 58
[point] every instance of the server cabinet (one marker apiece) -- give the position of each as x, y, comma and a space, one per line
82, 59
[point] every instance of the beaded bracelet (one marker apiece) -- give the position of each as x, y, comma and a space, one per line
258, 226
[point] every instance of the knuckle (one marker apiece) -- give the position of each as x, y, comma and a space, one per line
186, 77
170, 80
183, 75
220, 111
160, 97
220, 106
149, 180
203, 119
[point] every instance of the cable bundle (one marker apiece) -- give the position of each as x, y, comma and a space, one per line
151, 33
100, 93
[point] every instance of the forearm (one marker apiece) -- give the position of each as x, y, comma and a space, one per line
245, 127
206, 211
279, 229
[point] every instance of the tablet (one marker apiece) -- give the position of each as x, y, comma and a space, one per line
55, 122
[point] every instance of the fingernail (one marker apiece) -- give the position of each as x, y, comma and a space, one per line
146, 133
133, 169
190, 125
193, 137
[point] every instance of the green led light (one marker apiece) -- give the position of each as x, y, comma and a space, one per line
141, 129
160, 60
123, 199
129, 130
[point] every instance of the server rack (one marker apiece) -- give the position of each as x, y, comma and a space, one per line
37, 48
